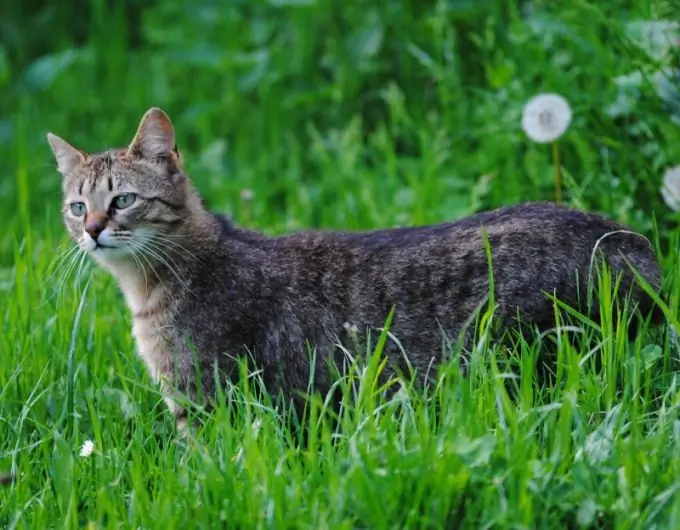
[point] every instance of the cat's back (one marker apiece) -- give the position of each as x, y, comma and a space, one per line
514, 218
543, 239
534, 246
549, 222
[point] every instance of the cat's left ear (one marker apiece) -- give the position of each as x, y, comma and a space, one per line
155, 136
68, 157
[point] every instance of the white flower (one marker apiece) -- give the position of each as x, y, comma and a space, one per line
87, 449
351, 328
546, 117
247, 195
670, 190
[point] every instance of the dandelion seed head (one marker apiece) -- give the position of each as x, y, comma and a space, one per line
670, 188
247, 194
546, 117
87, 448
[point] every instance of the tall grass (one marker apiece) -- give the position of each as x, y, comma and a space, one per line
340, 115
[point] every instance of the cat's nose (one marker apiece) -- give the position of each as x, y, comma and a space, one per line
95, 222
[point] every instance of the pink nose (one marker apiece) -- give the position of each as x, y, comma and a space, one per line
95, 223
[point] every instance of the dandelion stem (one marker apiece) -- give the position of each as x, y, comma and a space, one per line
556, 171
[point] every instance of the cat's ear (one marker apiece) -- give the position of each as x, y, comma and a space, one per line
68, 157
155, 136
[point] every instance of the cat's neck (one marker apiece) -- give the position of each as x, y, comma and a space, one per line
142, 289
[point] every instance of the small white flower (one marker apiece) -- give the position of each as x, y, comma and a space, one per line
670, 190
87, 449
351, 328
546, 117
247, 195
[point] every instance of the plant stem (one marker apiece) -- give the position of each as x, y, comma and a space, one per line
556, 171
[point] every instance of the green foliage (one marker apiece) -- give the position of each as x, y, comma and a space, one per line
347, 115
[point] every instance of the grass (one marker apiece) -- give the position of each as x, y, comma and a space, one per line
361, 117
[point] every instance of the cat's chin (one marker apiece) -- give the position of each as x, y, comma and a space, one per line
107, 253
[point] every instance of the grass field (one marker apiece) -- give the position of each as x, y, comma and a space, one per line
354, 115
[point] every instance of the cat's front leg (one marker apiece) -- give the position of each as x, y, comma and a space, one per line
156, 352
179, 412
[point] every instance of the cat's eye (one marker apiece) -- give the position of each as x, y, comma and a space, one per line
78, 209
124, 201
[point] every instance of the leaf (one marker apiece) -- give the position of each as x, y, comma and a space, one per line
44, 71
651, 353
366, 43
422, 57
587, 513
61, 472
476, 452
120, 399
599, 444
259, 67
656, 37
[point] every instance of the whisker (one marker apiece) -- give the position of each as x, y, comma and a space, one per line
47, 288
73, 262
62, 249
158, 253
143, 268
189, 256
83, 267
138, 249
157, 238
135, 251
59, 260
68, 262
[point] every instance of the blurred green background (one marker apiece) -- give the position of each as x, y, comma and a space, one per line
343, 114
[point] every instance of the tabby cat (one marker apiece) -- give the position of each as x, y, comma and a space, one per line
204, 292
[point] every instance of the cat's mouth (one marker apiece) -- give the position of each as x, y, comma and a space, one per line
100, 246
108, 253
103, 245
103, 250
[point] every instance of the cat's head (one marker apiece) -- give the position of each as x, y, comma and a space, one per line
121, 202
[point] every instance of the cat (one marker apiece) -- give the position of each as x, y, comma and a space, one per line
204, 292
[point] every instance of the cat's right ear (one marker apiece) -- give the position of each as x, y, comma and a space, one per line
155, 136
68, 157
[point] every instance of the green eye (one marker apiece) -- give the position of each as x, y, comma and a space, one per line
124, 201
78, 209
